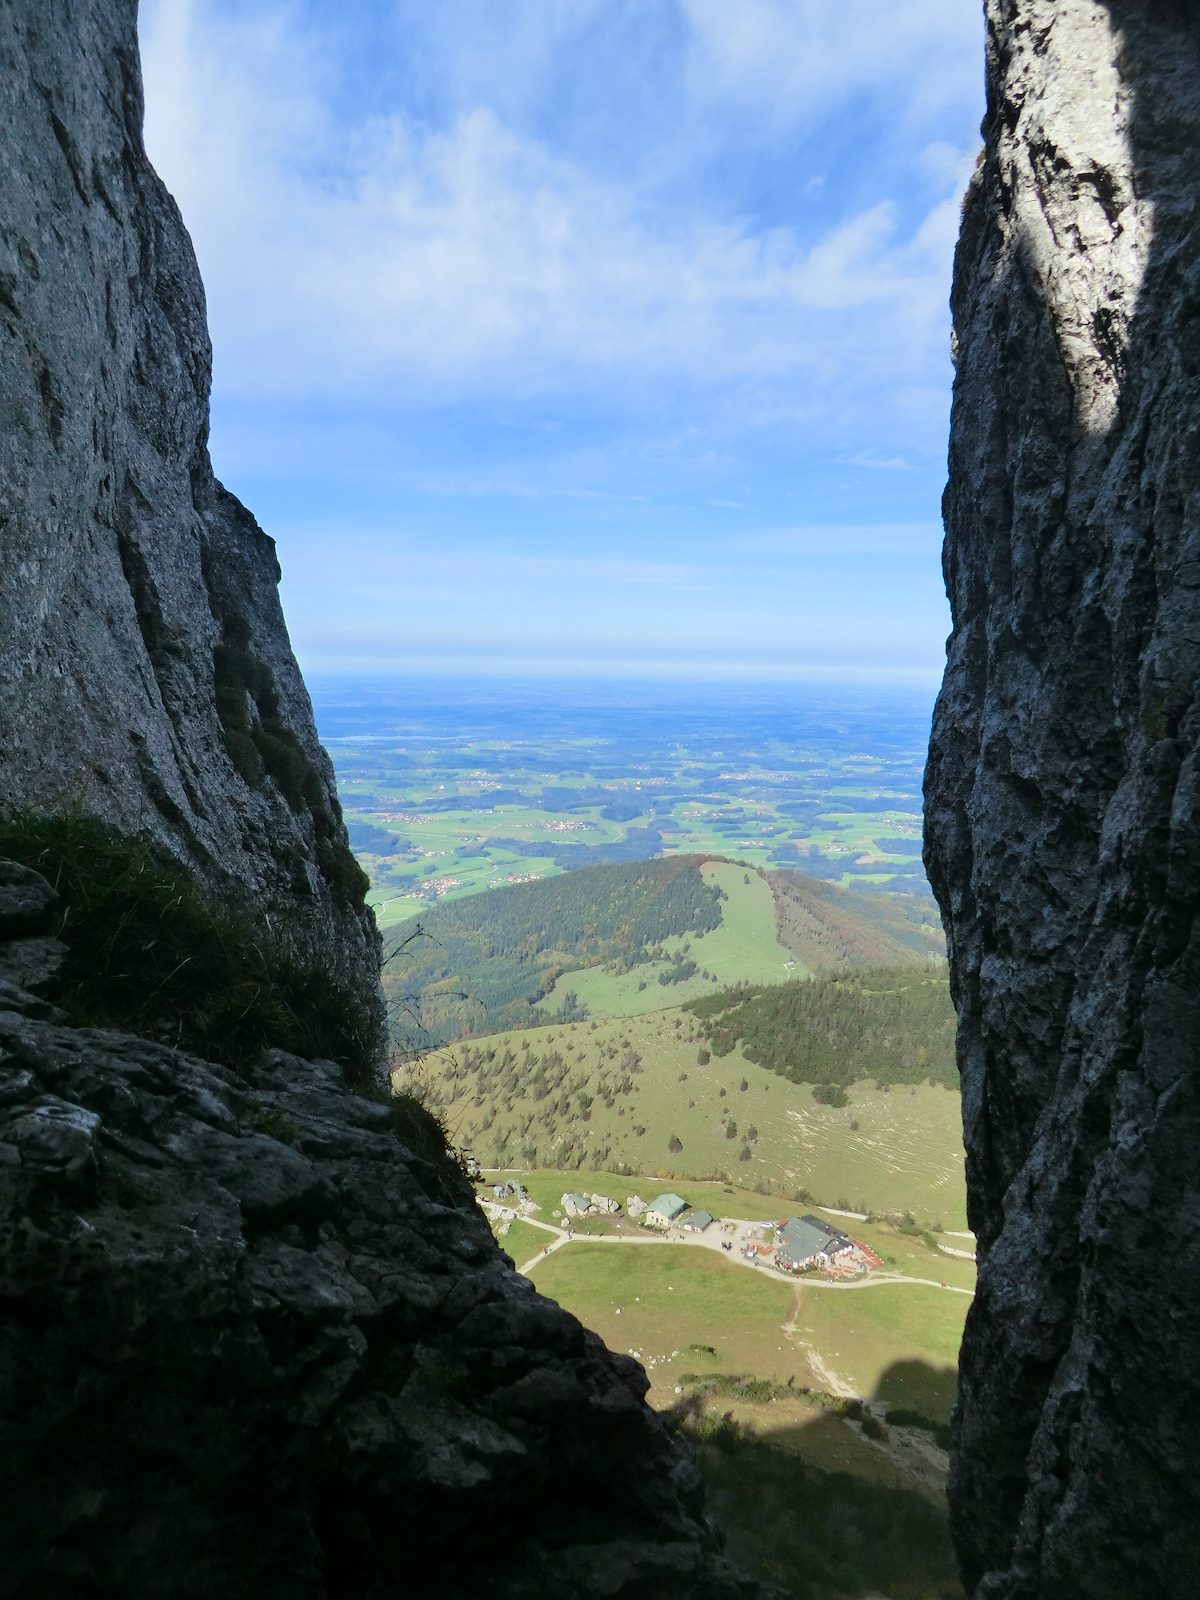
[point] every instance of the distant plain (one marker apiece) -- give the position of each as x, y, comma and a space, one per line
450, 789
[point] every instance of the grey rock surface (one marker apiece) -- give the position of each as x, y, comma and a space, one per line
1063, 802
145, 670
252, 1346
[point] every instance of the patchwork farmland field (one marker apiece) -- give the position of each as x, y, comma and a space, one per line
457, 788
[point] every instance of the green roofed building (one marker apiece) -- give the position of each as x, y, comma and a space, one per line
664, 1211
800, 1243
697, 1221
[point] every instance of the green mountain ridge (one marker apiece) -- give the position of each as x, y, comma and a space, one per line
876, 1126
630, 937
894, 1025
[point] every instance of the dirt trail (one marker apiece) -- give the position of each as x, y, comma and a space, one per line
826, 1377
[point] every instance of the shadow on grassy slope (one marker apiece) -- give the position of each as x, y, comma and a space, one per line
819, 1534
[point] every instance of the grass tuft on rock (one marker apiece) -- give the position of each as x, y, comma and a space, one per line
149, 952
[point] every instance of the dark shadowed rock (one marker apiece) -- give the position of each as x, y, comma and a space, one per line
253, 1346
1063, 824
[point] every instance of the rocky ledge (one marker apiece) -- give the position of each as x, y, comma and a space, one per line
254, 1345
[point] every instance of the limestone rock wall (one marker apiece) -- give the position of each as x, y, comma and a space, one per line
145, 670
1063, 801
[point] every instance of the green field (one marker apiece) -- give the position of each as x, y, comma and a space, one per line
899, 1149
655, 1301
664, 1303
743, 948
898, 1344
467, 791
521, 1240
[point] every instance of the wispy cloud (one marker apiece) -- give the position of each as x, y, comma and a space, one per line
427, 264
836, 540
581, 325
799, 57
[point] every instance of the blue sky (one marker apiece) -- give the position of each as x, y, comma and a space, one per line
583, 336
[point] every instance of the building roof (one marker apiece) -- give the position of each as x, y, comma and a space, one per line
698, 1220
835, 1239
668, 1205
802, 1237
580, 1200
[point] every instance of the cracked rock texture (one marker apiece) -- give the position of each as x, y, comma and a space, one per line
252, 1346
1063, 802
145, 670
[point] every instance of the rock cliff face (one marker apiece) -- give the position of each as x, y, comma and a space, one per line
253, 1343
145, 670
1063, 801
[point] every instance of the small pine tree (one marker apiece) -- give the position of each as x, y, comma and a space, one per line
674, 1144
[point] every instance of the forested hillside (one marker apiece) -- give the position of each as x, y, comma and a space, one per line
650, 1095
894, 1025
826, 926
630, 937
481, 965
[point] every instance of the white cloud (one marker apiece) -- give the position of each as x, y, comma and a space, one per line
417, 265
799, 57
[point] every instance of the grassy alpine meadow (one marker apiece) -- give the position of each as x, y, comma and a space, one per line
743, 948
679, 1309
521, 1240
897, 1343
638, 1094
668, 1304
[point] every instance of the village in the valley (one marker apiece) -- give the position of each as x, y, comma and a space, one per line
806, 1246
